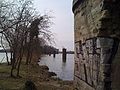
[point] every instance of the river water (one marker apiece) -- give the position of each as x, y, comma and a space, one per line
3, 57
64, 70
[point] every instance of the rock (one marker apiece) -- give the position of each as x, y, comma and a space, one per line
29, 85
52, 74
38, 61
44, 67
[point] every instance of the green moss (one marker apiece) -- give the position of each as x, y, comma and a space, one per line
10, 83
4, 68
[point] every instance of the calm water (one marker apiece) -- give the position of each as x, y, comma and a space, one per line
3, 57
63, 70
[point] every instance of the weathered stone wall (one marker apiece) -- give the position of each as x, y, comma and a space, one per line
97, 36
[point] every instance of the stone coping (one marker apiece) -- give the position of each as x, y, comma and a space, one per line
76, 3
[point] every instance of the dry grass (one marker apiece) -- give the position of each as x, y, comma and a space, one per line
34, 73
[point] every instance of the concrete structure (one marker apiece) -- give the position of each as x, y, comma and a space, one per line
97, 49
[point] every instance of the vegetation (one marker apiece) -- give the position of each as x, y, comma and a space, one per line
37, 74
24, 31
46, 49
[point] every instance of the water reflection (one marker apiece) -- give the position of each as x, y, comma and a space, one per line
3, 57
64, 70
63, 73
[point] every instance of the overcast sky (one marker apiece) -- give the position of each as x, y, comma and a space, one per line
63, 26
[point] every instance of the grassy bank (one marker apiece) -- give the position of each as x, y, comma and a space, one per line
38, 74
10, 83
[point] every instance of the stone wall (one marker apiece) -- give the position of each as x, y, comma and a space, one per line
97, 36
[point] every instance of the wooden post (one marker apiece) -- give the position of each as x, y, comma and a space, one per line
64, 55
54, 53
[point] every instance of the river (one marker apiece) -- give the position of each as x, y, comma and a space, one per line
64, 70
3, 57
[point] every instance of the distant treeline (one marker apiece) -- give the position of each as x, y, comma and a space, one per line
2, 50
49, 49
68, 52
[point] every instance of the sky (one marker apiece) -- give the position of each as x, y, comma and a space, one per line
63, 25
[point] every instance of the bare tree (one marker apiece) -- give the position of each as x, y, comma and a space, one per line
38, 28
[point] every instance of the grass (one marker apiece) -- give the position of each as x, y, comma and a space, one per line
10, 83
31, 72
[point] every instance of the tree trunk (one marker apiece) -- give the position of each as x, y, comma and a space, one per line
28, 59
20, 58
28, 55
13, 63
11, 57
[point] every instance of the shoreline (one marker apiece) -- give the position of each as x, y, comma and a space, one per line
38, 74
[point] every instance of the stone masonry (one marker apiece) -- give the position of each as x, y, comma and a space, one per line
97, 48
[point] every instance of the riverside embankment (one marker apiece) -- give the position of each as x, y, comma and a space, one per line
38, 74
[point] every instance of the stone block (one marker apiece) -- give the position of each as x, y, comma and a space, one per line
97, 27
